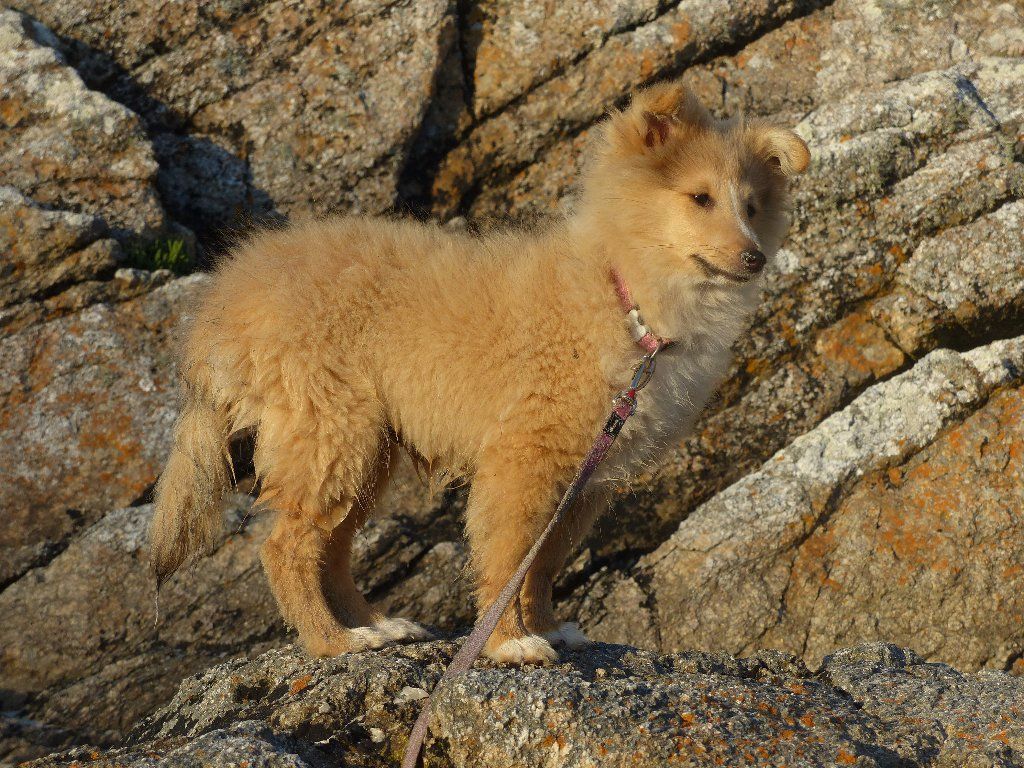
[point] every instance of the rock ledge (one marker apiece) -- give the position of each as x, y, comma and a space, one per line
610, 705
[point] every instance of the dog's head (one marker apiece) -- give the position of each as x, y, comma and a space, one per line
696, 199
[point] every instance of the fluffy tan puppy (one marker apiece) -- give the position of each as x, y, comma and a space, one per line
494, 358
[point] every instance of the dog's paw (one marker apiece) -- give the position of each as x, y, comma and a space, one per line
332, 645
368, 639
568, 635
387, 632
403, 630
531, 649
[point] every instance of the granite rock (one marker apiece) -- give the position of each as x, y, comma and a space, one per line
894, 518
45, 250
875, 705
256, 110
118, 661
86, 407
67, 146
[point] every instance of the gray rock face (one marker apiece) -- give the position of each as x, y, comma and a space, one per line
294, 107
66, 146
79, 190
86, 407
969, 274
827, 53
572, 100
609, 705
112, 664
513, 47
891, 519
117, 647
45, 250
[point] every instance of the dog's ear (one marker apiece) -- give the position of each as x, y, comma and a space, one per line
781, 148
654, 117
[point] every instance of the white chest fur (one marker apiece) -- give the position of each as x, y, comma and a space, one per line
667, 408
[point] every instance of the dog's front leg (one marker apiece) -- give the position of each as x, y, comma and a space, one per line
535, 597
513, 496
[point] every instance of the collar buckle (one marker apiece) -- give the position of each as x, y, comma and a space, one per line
639, 332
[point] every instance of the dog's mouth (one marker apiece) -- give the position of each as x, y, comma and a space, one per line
712, 271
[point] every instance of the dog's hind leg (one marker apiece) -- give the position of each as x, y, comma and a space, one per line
296, 557
345, 598
292, 558
314, 462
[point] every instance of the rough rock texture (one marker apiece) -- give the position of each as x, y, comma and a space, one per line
112, 664
47, 249
78, 192
823, 55
64, 145
897, 517
262, 107
253, 82
511, 47
872, 705
116, 648
86, 407
559, 107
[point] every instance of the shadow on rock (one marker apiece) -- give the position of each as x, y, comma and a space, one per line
202, 185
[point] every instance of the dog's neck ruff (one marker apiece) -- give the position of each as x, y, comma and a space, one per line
646, 340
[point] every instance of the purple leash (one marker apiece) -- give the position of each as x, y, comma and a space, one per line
623, 406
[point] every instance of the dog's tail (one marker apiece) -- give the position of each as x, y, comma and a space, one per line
187, 511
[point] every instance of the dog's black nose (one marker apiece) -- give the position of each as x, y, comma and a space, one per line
753, 261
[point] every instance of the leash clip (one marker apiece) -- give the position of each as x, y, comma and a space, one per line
642, 374
644, 370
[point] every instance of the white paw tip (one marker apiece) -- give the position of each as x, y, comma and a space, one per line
402, 630
531, 649
568, 635
572, 636
367, 638
554, 637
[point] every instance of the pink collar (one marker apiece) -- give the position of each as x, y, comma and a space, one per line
641, 335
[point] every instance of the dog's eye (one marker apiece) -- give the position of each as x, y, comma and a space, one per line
751, 210
704, 200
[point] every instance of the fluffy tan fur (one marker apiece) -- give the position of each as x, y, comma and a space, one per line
493, 357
